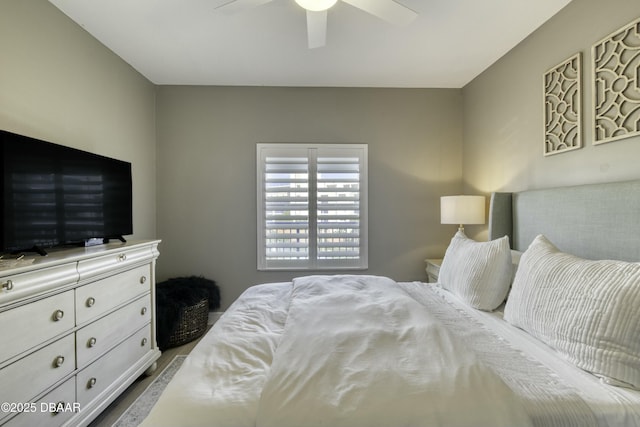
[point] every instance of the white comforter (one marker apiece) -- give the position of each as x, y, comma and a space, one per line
333, 351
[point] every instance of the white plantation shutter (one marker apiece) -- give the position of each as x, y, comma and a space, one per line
312, 206
286, 208
338, 207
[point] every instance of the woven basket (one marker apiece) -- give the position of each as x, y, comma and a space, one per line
192, 323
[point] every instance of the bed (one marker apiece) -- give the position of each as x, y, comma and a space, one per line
361, 350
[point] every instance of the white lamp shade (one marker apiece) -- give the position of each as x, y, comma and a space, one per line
462, 210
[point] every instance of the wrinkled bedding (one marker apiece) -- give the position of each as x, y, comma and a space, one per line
357, 351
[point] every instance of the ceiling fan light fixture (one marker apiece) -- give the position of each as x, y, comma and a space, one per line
316, 5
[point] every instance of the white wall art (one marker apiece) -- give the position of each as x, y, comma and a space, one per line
562, 111
616, 79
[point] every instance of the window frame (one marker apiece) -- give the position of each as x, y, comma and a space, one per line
311, 152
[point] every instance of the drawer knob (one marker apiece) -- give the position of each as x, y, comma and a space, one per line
122, 257
91, 301
143, 311
8, 285
143, 280
58, 361
58, 315
92, 382
92, 342
143, 342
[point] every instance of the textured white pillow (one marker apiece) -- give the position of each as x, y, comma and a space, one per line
589, 311
477, 272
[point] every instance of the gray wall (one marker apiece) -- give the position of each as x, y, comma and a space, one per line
59, 84
207, 178
503, 110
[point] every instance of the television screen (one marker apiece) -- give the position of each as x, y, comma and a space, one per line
53, 195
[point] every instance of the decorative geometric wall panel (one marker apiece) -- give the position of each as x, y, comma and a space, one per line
616, 91
562, 100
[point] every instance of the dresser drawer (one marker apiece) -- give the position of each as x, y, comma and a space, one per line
23, 380
100, 336
26, 326
64, 394
97, 298
108, 264
102, 373
14, 287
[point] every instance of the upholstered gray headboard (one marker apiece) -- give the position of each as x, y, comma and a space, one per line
595, 221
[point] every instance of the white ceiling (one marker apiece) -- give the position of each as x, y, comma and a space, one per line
188, 42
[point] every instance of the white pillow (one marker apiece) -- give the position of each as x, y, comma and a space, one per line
589, 311
477, 272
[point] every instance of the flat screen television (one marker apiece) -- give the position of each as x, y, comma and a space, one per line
53, 195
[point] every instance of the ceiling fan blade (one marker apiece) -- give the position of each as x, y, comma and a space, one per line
233, 6
387, 10
316, 28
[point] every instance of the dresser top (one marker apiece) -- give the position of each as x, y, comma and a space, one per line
62, 255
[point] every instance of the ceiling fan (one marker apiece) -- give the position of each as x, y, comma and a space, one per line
388, 10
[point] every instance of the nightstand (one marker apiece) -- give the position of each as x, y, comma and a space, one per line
432, 269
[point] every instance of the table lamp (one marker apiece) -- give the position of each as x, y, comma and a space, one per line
462, 210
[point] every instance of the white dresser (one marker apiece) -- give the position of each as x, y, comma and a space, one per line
77, 327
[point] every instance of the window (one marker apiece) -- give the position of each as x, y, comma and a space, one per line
312, 206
